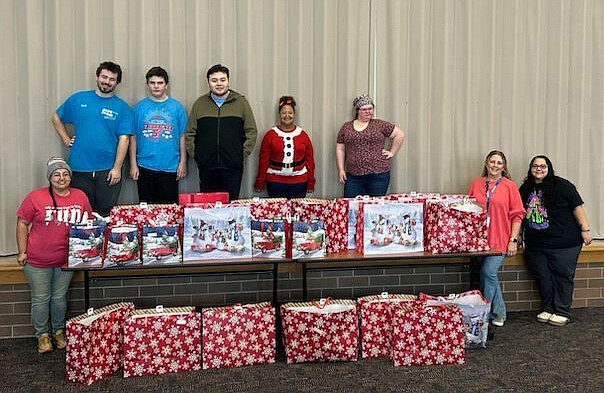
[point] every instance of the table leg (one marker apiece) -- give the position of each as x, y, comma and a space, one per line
86, 290
275, 283
304, 282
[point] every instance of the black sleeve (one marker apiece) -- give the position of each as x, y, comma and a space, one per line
567, 193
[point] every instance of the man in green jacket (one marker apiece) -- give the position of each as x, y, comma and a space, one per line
221, 132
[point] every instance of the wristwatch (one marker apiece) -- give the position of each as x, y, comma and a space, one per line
514, 240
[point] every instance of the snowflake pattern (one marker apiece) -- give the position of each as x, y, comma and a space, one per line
153, 214
160, 343
94, 350
426, 335
322, 336
236, 336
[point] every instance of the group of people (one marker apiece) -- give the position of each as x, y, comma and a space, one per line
219, 134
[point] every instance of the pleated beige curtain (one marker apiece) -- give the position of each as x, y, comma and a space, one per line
460, 77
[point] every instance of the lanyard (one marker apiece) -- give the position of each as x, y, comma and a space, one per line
490, 194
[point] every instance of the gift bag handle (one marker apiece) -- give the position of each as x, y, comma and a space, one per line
321, 303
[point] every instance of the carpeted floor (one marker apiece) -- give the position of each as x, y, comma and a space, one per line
524, 356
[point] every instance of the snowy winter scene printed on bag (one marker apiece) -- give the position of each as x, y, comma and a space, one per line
86, 244
122, 246
308, 239
160, 244
393, 228
217, 233
268, 238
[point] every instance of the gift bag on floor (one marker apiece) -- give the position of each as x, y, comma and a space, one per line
427, 335
475, 309
239, 335
94, 343
321, 331
162, 340
375, 314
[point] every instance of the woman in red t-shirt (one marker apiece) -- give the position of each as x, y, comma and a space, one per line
362, 158
43, 221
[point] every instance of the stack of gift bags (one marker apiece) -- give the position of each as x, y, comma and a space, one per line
410, 330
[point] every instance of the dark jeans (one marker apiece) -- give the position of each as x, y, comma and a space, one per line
101, 195
226, 180
284, 190
374, 184
157, 186
554, 271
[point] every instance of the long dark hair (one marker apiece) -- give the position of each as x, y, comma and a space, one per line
549, 180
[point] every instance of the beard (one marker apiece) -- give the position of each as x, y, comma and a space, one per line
106, 89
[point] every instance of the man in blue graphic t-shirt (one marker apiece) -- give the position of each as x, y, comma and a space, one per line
102, 123
158, 156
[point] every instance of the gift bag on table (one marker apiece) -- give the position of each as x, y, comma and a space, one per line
238, 335
323, 331
455, 225
336, 227
270, 226
375, 313
475, 309
94, 343
185, 199
86, 243
222, 232
386, 227
162, 340
309, 234
161, 245
122, 246
427, 335
146, 214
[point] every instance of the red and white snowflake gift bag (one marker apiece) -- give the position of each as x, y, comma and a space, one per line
146, 214
455, 225
323, 331
94, 343
238, 335
375, 314
162, 340
426, 335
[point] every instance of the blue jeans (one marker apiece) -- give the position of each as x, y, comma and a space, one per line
489, 284
48, 288
373, 184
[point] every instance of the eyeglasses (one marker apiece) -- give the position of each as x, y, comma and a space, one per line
542, 166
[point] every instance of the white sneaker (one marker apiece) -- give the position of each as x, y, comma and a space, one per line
544, 316
557, 320
498, 321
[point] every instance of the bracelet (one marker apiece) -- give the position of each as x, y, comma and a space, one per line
585, 230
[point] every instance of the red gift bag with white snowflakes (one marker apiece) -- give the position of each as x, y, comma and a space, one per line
323, 331
146, 214
162, 340
238, 335
375, 314
184, 199
455, 225
427, 335
336, 227
94, 343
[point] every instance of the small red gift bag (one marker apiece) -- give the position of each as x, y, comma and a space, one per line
336, 227
146, 214
203, 197
162, 340
375, 313
426, 335
239, 335
94, 343
320, 331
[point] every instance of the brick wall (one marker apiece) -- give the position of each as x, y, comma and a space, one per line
218, 289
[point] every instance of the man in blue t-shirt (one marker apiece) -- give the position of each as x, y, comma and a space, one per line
158, 156
102, 124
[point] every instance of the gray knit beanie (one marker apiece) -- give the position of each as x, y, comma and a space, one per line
56, 163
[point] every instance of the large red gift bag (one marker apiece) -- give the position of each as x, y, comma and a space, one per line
455, 226
271, 226
238, 335
475, 309
427, 335
162, 340
146, 214
203, 197
321, 331
375, 312
94, 343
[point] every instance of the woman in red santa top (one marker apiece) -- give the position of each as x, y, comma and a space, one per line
286, 165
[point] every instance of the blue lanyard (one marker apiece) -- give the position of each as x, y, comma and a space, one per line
490, 194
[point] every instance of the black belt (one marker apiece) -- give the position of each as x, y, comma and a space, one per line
284, 165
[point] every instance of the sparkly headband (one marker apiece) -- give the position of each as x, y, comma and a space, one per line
362, 100
286, 101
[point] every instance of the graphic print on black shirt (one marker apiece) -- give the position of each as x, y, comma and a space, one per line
536, 214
